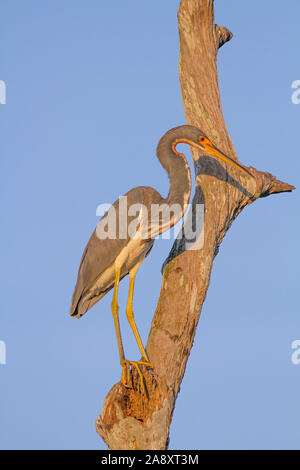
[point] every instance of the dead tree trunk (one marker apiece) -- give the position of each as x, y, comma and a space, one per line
131, 419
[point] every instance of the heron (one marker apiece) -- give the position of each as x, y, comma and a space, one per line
106, 261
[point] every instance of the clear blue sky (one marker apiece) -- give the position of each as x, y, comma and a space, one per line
91, 87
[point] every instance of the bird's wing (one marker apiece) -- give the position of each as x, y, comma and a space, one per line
100, 253
97, 257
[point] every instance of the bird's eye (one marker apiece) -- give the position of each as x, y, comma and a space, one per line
202, 139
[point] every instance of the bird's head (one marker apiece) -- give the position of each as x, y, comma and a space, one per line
197, 139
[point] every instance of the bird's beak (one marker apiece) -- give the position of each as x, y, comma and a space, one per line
212, 150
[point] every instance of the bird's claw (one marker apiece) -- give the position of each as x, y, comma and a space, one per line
126, 363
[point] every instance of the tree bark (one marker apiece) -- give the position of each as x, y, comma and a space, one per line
132, 418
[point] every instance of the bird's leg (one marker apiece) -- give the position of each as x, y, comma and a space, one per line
115, 312
130, 317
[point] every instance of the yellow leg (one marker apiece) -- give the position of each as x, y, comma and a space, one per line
130, 318
115, 312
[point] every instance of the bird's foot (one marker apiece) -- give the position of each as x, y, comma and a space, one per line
126, 364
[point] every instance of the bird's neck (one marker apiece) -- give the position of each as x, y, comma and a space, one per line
177, 168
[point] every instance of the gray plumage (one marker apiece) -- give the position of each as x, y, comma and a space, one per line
99, 255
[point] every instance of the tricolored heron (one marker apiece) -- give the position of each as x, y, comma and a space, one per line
106, 261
